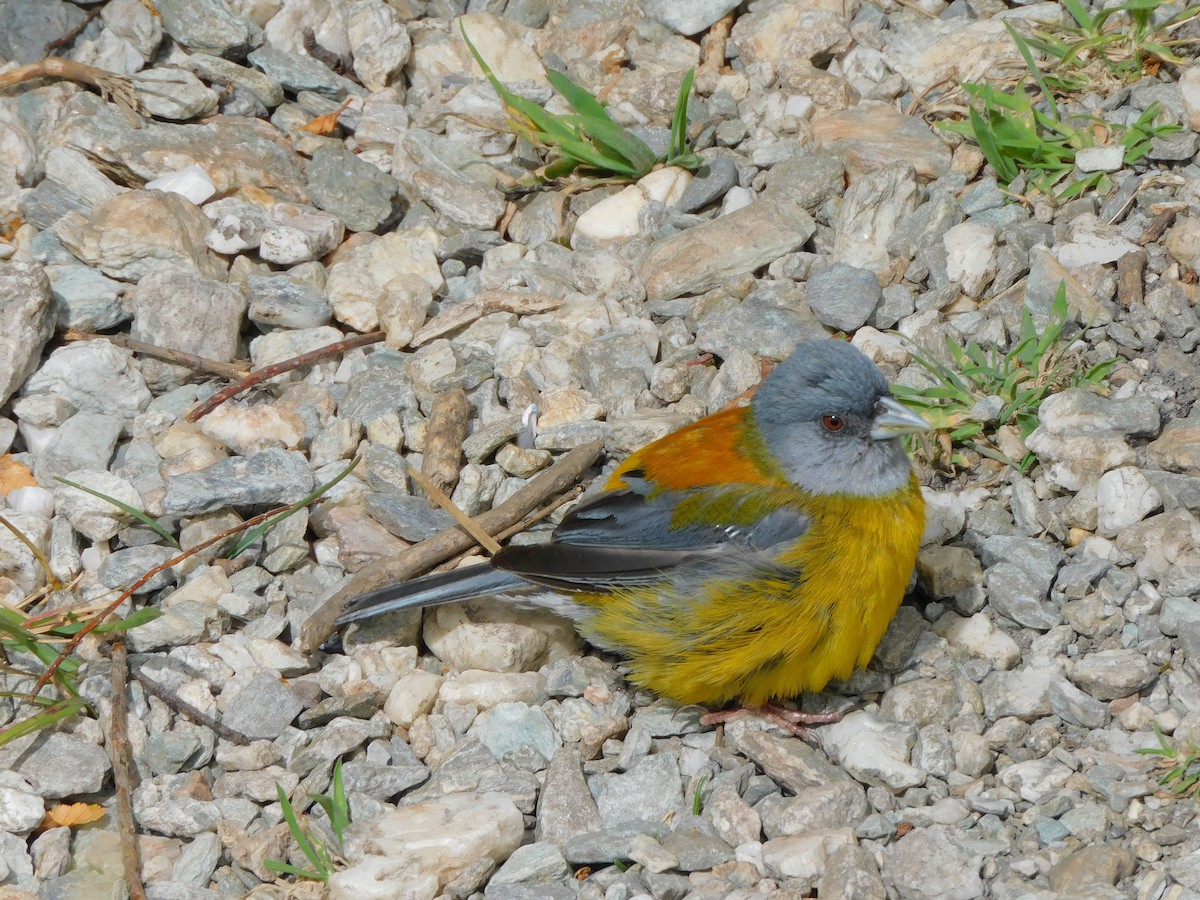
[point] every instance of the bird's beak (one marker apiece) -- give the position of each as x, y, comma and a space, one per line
893, 419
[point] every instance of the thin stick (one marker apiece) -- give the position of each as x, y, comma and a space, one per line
176, 357
119, 756
420, 558
200, 410
186, 709
95, 621
481, 537
69, 38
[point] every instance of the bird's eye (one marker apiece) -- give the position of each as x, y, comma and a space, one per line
832, 422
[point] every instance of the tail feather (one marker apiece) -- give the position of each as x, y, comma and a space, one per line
432, 590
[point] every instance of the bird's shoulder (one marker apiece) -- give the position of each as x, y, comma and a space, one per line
723, 448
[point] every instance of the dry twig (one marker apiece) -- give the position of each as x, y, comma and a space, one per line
113, 87
166, 354
200, 410
420, 558
122, 765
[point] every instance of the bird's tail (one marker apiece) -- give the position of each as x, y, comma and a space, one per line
432, 590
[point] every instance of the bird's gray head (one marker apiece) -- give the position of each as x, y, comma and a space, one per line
827, 416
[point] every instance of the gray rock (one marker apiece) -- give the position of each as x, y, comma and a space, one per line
263, 708
274, 476
174, 94
179, 308
298, 72
702, 257
843, 297
26, 322
1112, 674
122, 568
408, 517
934, 865
352, 189
60, 765
691, 18
709, 185
650, 789
280, 301
209, 26
768, 322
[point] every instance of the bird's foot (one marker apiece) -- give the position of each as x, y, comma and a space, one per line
793, 721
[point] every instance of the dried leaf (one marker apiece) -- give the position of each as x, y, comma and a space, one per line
14, 475
72, 814
328, 123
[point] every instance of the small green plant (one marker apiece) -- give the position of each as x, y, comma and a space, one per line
39, 639
1123, 40
698, 794
590, 139
321, 853
1020, 378
1019, 136
1182, 763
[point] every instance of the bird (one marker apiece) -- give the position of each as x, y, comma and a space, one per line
753, 555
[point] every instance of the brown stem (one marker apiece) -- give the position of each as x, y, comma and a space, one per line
200, 410
122, 766
176, 357
186, 709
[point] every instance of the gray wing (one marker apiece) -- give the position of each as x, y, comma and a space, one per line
627, 538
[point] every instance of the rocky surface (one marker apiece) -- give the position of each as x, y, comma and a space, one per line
992, 746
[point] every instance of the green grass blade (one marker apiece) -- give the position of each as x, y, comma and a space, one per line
255, 533
679, 141
1027, 55
599, 125
1078, 13
63, 709
145, 518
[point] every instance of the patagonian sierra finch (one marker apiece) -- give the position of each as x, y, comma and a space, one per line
751, 556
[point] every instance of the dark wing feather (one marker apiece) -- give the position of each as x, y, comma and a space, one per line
631, 537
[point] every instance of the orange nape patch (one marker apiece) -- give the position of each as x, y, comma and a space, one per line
723, 448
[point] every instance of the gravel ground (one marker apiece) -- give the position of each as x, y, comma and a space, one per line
991, 746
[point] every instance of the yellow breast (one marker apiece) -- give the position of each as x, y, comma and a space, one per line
774, 638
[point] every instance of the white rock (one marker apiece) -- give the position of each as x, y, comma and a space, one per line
496, 636
414, 851
737, 197
296, 234
874, 750
412, 697
16, 561
379, 42
1035, 779
192, 182
881, 347
1091, 241
359, 278
618, 216
971, 256
801, 858
488, 689
33, 500
248, 428
979, 637
1100, 159
1124, 496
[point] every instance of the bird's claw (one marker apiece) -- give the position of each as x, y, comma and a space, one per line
793, 721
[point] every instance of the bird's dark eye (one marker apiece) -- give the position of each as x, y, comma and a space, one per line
832, 422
